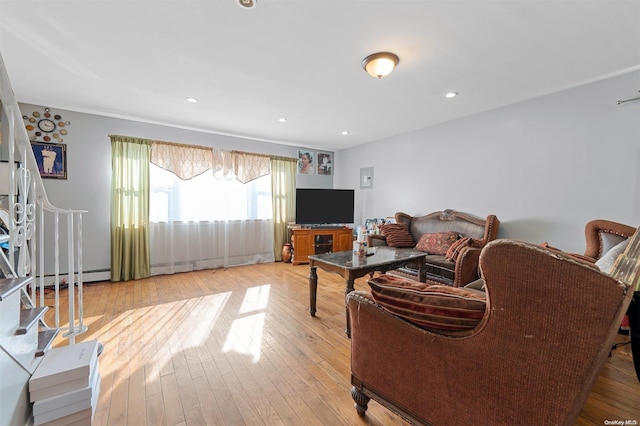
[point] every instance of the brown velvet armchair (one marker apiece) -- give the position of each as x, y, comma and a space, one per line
547, 331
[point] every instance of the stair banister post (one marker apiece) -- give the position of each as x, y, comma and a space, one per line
56, 260
40, 273
12, 183
70, 280
80, 279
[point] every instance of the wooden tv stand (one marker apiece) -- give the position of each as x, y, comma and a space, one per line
308, 241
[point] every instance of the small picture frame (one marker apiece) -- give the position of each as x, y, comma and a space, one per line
324, 164
373, 225
51, 159
305, 162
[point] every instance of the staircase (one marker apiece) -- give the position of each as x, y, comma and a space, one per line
31, 259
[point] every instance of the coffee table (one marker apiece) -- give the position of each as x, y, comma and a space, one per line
351, 266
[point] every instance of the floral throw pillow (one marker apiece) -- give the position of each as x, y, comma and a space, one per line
437, 242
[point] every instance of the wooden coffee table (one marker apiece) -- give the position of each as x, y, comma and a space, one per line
351, 266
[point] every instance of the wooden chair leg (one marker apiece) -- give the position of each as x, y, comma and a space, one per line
361, 401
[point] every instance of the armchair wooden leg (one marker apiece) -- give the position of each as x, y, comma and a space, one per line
361, 401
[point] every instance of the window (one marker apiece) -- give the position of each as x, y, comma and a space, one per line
205, 198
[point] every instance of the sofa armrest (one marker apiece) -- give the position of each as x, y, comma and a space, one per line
376, 240
466, 269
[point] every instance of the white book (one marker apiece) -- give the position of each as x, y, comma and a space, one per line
71, 385
67, 398
68, 410
63, 364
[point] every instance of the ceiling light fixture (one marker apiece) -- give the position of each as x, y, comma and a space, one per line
248, 4
192, 100
451, 95
380, 64
282, 120
344, 133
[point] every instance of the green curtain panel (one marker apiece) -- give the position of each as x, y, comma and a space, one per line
130, 255
283, 192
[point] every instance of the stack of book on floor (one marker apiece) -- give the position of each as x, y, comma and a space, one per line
64, 388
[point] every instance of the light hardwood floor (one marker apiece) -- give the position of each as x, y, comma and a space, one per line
237, 346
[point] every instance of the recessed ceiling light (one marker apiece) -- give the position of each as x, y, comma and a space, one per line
282, 120
451, 94
344, 133
192, 100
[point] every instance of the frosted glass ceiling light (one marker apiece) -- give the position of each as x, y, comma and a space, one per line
380, 64
248, 4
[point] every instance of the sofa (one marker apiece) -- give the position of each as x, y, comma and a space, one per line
453, 240
530, 355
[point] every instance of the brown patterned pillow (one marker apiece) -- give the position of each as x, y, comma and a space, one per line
456, 248
397, 235
447, 310
437, 242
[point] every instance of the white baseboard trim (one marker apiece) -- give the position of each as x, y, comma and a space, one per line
89, 277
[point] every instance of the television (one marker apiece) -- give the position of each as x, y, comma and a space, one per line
324, 206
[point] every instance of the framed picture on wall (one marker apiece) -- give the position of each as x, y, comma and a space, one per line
305, 162
324, 164
51, 159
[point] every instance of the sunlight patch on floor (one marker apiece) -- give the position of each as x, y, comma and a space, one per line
255, 299
208, 310
190, 323
245, 335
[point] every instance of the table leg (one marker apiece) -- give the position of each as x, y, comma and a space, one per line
422, 272
313, 290
348, 289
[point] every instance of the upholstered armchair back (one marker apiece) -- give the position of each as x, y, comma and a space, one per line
603, 235
548, 329
451, 220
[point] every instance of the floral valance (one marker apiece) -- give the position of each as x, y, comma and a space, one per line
250, 166
185, 161
189, 161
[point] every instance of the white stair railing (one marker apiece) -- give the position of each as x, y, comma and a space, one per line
34, 223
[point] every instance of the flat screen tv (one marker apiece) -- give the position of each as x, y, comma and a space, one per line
324, 206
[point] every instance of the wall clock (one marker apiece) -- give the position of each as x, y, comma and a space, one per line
45, 126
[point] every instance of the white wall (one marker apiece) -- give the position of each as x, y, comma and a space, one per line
545, 167
88, 185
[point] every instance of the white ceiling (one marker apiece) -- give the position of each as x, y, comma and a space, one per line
301, 59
